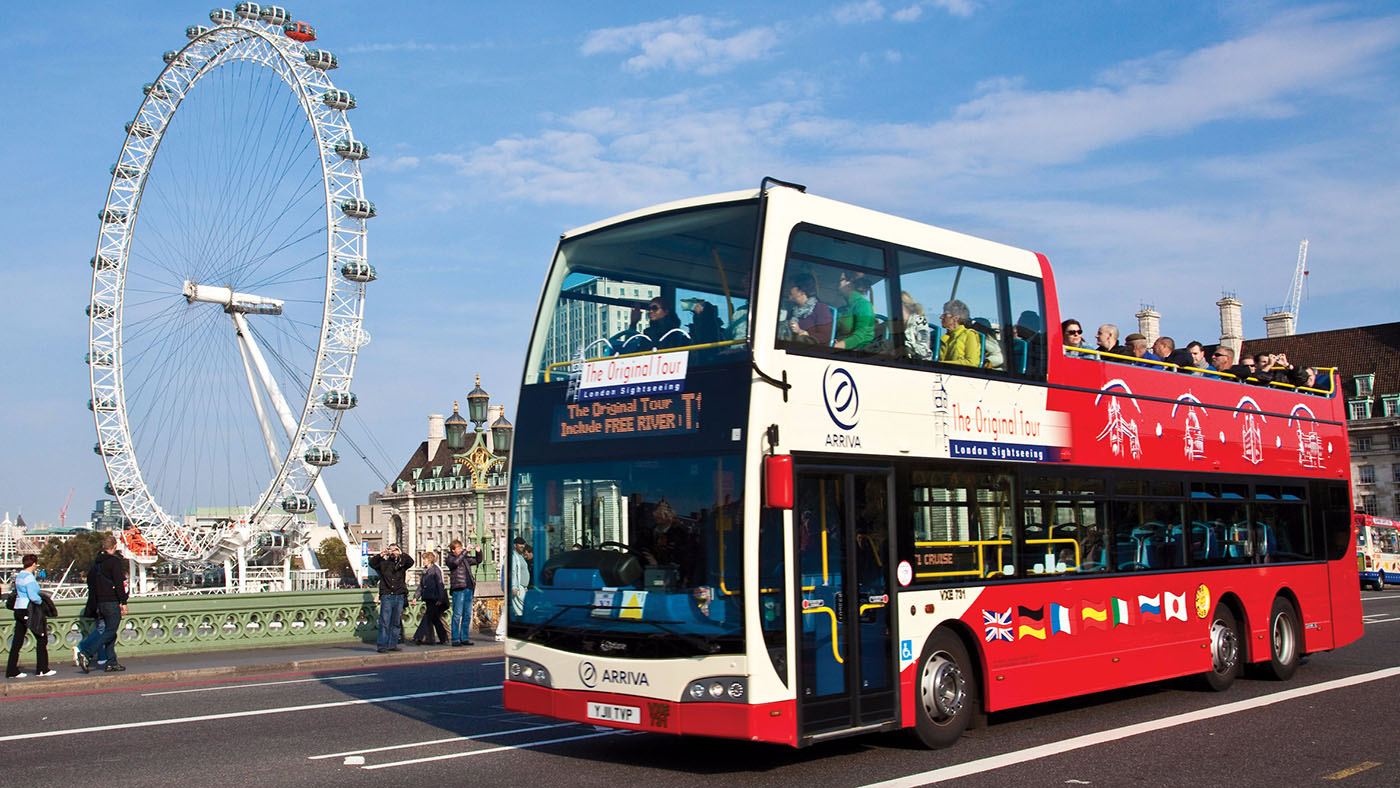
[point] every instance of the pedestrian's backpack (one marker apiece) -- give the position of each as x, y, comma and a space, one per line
10, 598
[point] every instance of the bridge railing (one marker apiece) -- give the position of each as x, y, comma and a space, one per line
173, 624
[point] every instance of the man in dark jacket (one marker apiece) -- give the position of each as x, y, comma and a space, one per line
463, 585
392, 566
107, 595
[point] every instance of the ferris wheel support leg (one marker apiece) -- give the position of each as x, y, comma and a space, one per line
289, 424
253, 390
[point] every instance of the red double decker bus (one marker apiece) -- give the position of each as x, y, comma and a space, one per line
787, 470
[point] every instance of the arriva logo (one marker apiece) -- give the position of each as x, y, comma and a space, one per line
588, 674
842, 399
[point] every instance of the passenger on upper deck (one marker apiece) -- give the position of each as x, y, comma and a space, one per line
917, 335
855, 322
1137, 347
660, 321
705, 325
1073, 333
1165, 348
1198, 361
810, 319
1108, 340
960, 344
1223, 359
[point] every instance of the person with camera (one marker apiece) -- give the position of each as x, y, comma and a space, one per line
392, 566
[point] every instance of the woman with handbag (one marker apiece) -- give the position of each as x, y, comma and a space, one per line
433, 594
29, 613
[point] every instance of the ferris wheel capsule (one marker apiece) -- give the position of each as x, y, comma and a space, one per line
353, 150
322, 59
112, 216
321, 457
195, 31
248, 10
124, 170
299, 503
358, 271
118, 489
222, 16
109, 449
358, 208
172, 55
274, 15
338, 99
102, 404
100, 359
99, 311
340, 400
299, 31
154, 90
103, 263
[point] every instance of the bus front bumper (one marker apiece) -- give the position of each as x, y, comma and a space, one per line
766, 722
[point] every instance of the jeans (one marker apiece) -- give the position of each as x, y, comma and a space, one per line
101, 642
390, 620
462, 615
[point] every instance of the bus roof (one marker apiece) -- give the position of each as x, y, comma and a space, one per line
858, 220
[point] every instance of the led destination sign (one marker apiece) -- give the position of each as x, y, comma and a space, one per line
631, 417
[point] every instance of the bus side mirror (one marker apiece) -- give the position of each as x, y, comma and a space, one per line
777, 481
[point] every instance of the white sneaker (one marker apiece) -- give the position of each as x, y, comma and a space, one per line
18, 676
76, 663
49, 672
500, 638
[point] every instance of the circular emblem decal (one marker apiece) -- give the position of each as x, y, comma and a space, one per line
588, 674
842, 399
1202, 601
904, 573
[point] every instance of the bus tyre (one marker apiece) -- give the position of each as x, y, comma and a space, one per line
1285, 641
1225, 661
947, 691
1380, 581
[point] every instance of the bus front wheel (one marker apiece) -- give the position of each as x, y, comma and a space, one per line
1225, 657
947, 687
1380, 581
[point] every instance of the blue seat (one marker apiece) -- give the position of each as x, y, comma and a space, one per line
1020, 349
832, 340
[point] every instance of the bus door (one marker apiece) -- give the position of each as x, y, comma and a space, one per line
842, 523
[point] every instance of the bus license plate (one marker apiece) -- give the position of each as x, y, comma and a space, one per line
607, 712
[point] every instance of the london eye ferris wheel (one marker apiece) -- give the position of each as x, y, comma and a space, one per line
228, 290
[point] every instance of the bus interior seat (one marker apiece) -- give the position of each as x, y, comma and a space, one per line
831, 341
1019, 351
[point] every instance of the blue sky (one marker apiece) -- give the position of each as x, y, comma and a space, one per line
1156, 152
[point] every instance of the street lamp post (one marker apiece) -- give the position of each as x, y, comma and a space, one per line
480, 461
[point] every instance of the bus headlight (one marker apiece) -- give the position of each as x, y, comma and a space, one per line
728, 689
523, 670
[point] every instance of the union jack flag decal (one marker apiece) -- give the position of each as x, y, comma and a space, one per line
998, 625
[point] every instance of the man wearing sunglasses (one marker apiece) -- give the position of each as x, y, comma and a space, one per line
1223, 360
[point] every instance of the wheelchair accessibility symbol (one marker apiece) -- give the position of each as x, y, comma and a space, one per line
906, 651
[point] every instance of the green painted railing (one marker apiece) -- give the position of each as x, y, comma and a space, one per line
163, 625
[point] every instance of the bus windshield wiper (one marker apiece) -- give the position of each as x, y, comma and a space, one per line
697, 642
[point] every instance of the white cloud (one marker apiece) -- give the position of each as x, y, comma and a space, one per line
859, 12
863, 11
688, 43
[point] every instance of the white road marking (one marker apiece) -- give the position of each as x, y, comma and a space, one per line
1379, 620
1372, 598
490, 750
1103, 737
262, 684
431, 742
236, 714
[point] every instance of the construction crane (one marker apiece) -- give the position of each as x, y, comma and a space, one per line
63, 513
1284, 320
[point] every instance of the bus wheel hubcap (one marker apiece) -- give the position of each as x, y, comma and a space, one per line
1223, 647
942, 687
1283, 639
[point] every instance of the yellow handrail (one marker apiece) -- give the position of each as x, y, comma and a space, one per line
725, 343
824, 609
980, 571
1168, 366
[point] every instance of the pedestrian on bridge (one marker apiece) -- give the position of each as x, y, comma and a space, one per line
433, 594
392, 566
107, 595
459, 568
29, 610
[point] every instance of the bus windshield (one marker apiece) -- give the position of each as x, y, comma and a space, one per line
675, 280
630, 558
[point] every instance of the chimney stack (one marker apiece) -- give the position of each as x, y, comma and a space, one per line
1149, 323
1231, 323
437, 433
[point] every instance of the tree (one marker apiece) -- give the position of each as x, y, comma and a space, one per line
331, 556
78, 551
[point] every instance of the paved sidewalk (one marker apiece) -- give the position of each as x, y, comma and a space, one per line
207, 665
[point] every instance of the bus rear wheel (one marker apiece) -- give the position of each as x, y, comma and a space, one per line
1380, 581
1285, 641
1225, 662
947, 687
